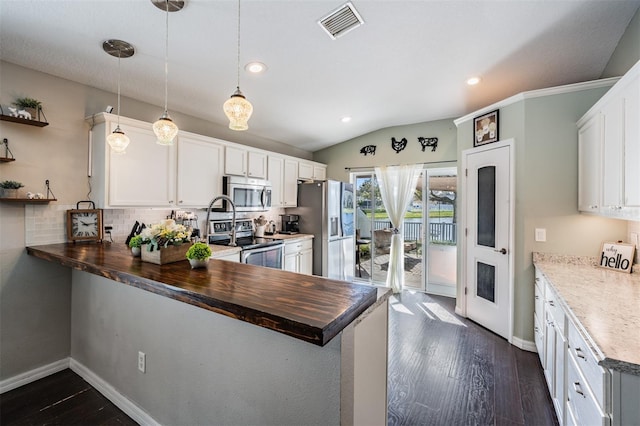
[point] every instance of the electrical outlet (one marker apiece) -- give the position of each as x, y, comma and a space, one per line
142, 362
541, 235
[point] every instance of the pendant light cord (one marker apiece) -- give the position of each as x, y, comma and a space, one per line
166, 60
238, 68
119, 55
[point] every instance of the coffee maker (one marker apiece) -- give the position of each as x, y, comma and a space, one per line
289, 224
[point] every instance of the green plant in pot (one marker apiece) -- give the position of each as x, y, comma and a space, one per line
199, 254
135, 243
10, 188
29, 104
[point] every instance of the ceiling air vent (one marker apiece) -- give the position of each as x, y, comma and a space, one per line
341, 21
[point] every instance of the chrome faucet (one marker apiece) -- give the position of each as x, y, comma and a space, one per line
233, 219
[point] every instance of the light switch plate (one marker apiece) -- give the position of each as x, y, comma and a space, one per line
541, 235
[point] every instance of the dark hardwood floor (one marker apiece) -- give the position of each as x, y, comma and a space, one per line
443, 370
63, 398
446, 370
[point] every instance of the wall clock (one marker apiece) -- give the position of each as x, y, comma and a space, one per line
84, 224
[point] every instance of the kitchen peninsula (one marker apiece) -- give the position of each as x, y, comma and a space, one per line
231, 344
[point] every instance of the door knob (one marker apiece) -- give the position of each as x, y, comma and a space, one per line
502, 250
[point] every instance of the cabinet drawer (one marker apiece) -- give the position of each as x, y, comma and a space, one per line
597, 377
297, 246
539, 302
538, 334
581, 403
553, 305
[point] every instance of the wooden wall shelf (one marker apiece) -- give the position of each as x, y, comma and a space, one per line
28, 200
20, 120
6, 159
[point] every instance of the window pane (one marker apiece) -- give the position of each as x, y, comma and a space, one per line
487, 206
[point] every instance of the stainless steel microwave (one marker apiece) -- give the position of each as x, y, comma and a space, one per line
249, 195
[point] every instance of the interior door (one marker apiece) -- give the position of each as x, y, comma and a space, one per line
488, 226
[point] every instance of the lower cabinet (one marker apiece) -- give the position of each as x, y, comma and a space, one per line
579, 387
298, 256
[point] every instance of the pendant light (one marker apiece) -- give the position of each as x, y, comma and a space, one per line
165, 129
118, 140
237, 108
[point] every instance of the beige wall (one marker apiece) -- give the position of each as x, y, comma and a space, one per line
347, 154
627, 52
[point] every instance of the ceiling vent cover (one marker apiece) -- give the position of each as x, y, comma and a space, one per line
341, 21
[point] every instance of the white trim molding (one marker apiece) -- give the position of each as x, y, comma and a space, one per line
525, 345
576, 87
130, 408
33, 375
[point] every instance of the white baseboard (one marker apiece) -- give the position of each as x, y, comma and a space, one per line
525, 345
118, 399
33, 375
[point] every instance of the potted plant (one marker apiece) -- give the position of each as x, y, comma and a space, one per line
32, 106
135, 243
10, 188
198, 255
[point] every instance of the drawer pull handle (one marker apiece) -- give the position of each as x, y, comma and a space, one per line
579, 353
551, 303
537, 297
578, 389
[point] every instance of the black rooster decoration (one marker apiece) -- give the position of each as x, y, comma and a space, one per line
398, 145
425, 142
369, 149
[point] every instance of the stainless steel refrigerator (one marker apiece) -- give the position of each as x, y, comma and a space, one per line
326, 210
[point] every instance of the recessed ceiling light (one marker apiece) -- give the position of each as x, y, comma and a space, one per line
255, 67
473, 81
345, 119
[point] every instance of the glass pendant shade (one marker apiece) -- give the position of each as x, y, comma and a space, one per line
165, 130
118, 141
238, 110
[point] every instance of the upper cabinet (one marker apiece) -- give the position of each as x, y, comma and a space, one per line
240, 161
609, 152
187, 174
312, 171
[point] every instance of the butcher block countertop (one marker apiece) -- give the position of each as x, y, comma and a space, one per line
605, 304
309, 308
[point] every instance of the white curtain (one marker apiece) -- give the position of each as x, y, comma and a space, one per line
397, 184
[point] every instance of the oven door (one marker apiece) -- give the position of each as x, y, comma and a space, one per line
270, 257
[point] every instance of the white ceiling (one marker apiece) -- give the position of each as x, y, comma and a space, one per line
407, 64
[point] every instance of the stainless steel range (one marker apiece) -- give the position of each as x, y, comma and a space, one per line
267, 252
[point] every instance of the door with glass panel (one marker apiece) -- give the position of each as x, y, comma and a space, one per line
488, 221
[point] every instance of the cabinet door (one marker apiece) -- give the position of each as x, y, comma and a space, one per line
145, 175
589, 169
291, 262
319, 172
632, 147
200, 163
305, 262
305, 171
290, 184
613, 154
275, 176
235, 160
550, 353
257, 165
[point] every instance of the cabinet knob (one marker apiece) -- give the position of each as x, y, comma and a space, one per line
551, 303
180, 202
170, 201
579, 353
578, 389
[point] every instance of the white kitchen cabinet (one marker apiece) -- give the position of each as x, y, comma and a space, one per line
283, 175
144, 176
609, 173
311, 171
243, 162
539, 317
298, 256
589, 164
200, 164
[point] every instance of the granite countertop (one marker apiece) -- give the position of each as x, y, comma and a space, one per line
218, 250
604, 303
305, 307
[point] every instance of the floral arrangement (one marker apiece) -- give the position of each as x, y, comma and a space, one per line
164, 234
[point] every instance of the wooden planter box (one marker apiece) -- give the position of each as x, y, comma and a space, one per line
165, 255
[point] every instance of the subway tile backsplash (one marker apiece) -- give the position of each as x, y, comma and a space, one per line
46, 224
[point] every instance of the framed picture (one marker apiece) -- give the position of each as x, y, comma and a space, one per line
617, 256
485, 128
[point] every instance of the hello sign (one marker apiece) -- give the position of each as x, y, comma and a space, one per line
617, 256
